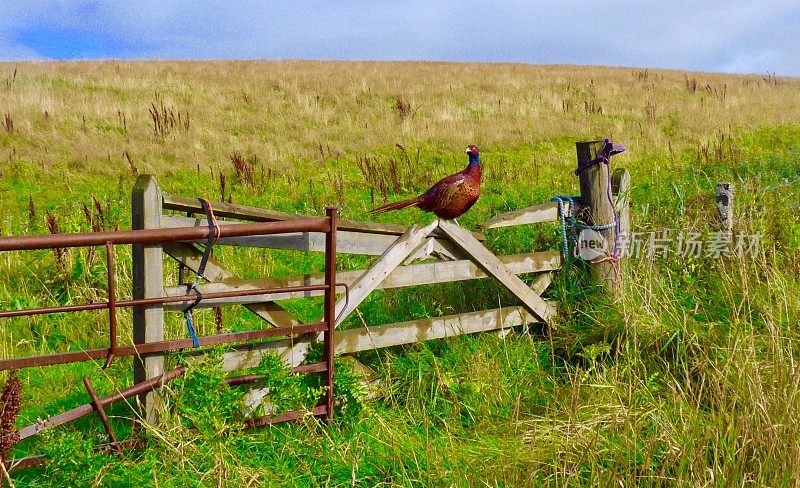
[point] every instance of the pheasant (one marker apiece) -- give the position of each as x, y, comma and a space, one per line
451, 196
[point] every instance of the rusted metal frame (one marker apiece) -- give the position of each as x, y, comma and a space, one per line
98, 406
147, 348
144, 387
112, 304
330, 307
161, 346
158, 300
317, 411
150, 236
86, 409
157, 236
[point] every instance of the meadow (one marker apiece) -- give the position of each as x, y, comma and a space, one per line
689, 378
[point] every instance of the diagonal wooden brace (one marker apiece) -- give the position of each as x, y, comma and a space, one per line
494, 267
369, 281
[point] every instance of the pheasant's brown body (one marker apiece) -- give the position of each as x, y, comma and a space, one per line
450, 197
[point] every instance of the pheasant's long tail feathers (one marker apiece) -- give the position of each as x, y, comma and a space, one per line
396, 205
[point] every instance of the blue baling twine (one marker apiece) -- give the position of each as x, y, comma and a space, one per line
213, 235
560, 199
190, 328
604, 157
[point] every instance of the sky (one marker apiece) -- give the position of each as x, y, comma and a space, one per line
723, 36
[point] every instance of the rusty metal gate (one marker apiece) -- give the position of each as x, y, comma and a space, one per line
141, 350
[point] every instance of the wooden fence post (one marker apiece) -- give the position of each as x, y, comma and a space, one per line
595, 191
725, 206
148, 282
621, 187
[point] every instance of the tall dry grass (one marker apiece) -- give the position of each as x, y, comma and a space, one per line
83, 114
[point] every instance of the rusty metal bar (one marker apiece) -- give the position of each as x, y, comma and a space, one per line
156, 347
144, 387
285, 417
158, 300
98, 406
330, 308
157, 236
83, 410
310, 368
112, 304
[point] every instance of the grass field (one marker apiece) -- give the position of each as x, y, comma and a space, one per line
691, 378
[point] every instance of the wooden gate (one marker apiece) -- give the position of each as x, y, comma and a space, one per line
450, 254
439, 252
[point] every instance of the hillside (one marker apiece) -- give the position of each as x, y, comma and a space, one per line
689, 379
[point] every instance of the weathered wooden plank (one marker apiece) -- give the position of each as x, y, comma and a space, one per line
382, 268
621, 188
395, 334
446, 250
402, 276
370, 280
412, 331
542, 282
545, 212
243, 212
423, 251
436, 248
494, 267
347, 242
538, 286
148, 282
222, 209
190, 256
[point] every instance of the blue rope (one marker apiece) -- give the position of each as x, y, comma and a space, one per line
609, 149
190, 328
213, 235
561, 199
574, 223
597, 227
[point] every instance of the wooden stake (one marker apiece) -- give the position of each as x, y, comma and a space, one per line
621, 187
595, 190
725, 206
148, 282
